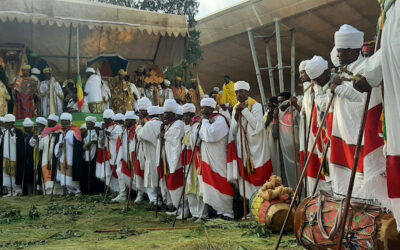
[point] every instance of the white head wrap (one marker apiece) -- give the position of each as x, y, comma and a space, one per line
83, 126
153, 110
108, 113
130, 115
170, 105
316, 66
91, 119
53, 118
41, 120
208, 102
189, 108
179, 110
66, 117
302, 65
160, 110
28, 123
9, 118
90, 70
334, 57
35, 71
242, 85
119, 117
143, 103
348, 37
98, 125
167, 82
2, 119
216, 89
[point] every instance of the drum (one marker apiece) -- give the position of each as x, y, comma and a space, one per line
272, 214
316, 225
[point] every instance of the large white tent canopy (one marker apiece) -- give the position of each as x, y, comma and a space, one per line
49, 29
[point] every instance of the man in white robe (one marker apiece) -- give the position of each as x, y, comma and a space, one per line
11, 175
126, 156
66, 175
171, 136
191, 163
93, 92
149, 136
106, 167
249, 141
90, 147
143, 104
217, 191
52, 94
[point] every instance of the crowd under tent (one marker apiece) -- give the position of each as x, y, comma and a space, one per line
58, 31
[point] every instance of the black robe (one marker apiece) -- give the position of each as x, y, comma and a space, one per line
20, 157
77, 160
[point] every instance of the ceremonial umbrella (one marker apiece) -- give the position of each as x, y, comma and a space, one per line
108, 64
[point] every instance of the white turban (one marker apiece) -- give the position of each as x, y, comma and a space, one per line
170, 105
91, 119
208, 102
189, 108
83, 126
167, 82
53, 118
216, 89
35, 71
334, 57
98, 125
2, 119
316, 66
108, 114
130, 115
90, 70
348, 37
179, 110
153, 110
119, 117
9, 118
28, 123
160, 110
41, 120
242, 85
302, 65
66, 117
143, 103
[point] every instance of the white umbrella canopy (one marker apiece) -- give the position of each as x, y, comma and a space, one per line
49, 29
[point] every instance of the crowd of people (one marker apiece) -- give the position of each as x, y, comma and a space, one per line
197, 153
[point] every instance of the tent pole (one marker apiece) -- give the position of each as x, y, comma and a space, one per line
279, 53
270, 69
257, 68
77, 50
69, 53
293, 62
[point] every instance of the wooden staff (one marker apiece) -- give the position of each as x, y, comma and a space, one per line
354, 170
104, 160
188, 172
303, 174
53, 171
65, 164
132, 170
243, 168
320, 167
158, 173
90, 161
184, 175
294, 143
9, 162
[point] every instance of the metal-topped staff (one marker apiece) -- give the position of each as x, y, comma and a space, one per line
187, 174
132, 170
243, 168
294, 142
354, 170
303, 174
9, 161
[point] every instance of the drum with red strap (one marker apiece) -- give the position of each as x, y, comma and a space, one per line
316, 225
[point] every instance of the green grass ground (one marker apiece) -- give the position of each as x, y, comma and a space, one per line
71, 222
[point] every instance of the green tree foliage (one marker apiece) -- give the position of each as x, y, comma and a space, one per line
189, 8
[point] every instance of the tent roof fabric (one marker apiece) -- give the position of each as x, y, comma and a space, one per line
225, 42
49, 29
91, 14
